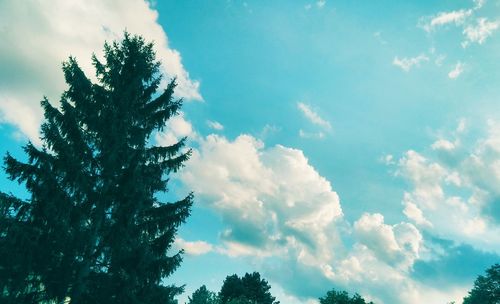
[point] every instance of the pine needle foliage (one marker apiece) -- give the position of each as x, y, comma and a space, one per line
93, 229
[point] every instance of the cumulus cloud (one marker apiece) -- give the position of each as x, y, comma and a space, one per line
38, 35
270, 198
460, 183
398, 245
312, 116
279, 211
406, 64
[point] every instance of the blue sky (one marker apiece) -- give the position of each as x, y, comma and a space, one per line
337, 144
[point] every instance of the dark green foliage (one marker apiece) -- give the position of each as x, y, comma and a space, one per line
342, 297
486, 289
93, 230
203, 296
250, 288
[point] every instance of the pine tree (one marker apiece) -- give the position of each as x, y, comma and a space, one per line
93, 229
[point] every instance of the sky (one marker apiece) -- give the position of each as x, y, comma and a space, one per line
352, 145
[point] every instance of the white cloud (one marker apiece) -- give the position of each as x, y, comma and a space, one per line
406, 64
321, 3
461, 186
443, 144
414, 213
398, 245
313, 117
480, 31
38, 35
457, 71
387, 159
474, 29
318, 135
443, 18
215, 125
270, 198
193, 248
175, 129
279, 211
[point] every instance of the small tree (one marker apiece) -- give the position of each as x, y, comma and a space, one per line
248, 288
93, 229
486, 289
342, 297
203, 296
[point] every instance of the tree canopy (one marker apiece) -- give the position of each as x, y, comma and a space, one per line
249, 288
342, 297
486, 288
93, 229
203, 296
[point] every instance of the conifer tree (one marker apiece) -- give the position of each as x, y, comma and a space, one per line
93, 229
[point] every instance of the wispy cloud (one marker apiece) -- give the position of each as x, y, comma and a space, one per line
475, 29
477, 33
406, 64
318, 135
457, 71
319, 5
312, 116
443, 18
215, 125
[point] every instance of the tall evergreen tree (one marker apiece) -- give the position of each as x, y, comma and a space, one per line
93, 229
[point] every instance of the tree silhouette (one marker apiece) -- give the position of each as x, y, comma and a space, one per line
250, 288
342, 297
486, 289
203, 296
93, 229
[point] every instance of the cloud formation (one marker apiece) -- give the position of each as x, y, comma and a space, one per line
193, 248
478, 32
276, 207
312, 116
457, 71
475, 29
460, 183
269, 198
38, 35
215, 125
406, 64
